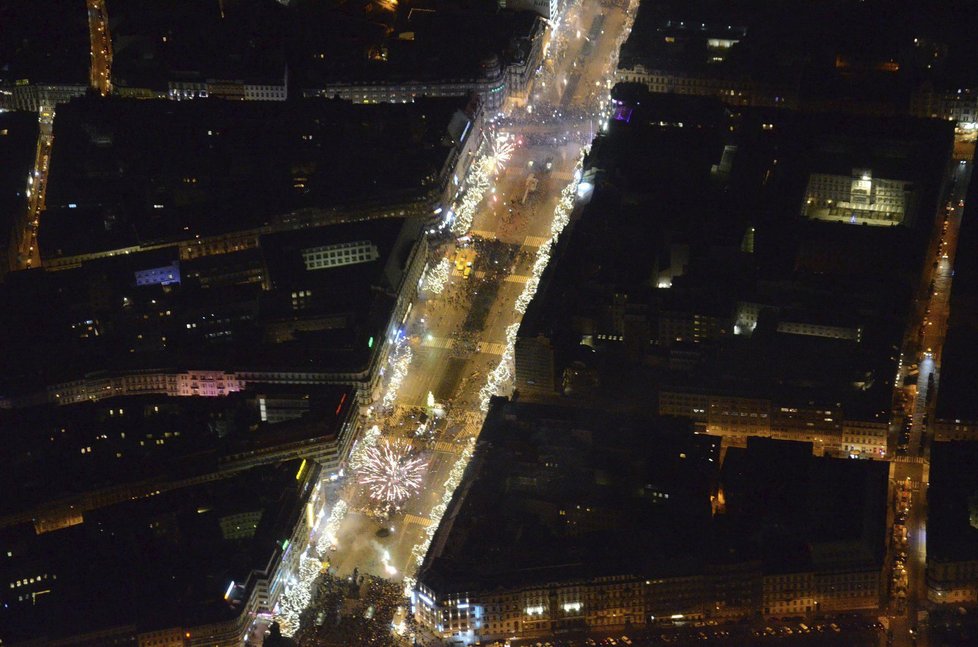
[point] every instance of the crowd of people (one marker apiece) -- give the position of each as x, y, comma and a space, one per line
356, 610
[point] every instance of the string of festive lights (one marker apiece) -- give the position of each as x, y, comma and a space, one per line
503, 373
436, 278
565, 205
475, 187
297, 594
328, 537
400, 361
367, 440
438, 511
501, 376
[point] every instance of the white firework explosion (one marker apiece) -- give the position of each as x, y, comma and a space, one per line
499, 149
389, 474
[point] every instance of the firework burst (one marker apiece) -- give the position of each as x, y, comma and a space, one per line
499, 150
389, 474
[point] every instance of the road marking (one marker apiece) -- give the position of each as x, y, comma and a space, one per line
534, 241
448, 448
562, 175
492, 348
436, 342
421, 521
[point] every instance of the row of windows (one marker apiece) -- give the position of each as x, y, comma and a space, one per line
341, 254
30, 580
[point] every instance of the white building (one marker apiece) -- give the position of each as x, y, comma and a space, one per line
24, 95
224, 89
858, 198
549, 9
491, 89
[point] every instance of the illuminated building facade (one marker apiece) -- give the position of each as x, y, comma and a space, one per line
858, 199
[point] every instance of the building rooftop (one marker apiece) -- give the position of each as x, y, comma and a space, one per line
955, 399
155, 42
849, 52
955, 396
436, 41
158, 562
952, 504
18, 142
558, 493
964, 287
788, 509
248, 312
213, 166
550, 485
670, 239
51, 45
145, 439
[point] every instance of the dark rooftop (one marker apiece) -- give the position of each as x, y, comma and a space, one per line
782, 504
212, 166
566, 493
956, 395
870, 53
662, 204
156, 41
156, 562
245, 313
363, 42
44, 43
18, 142
952, 502
549, 486
133, 439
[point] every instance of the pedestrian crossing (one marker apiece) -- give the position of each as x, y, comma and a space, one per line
518, 278
908, 459
436, 342
424, 522
448, 448
534, 241
481, 233
492, 348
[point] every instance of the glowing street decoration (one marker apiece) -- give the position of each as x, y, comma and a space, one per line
438, 511
389, 474
298, 594
476, 185
401, 360
328, 539
436, 278
502, 375
561, 217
